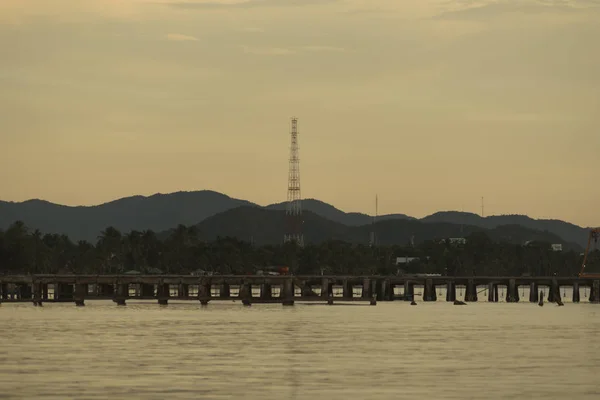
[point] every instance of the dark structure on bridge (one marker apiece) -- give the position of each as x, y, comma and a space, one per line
279, 289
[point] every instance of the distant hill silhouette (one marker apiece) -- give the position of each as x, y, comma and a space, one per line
158, 212
161, 212
330, 212
265, 226
564, 230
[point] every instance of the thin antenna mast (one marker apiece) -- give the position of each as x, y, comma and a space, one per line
482, 215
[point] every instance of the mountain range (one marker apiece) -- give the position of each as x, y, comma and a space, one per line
217, 214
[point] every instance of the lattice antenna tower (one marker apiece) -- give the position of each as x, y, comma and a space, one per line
294, 196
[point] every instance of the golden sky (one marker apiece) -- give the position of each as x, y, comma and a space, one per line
431, 104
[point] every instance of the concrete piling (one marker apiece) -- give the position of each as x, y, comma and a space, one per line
409, 291
288, 292
80, 292
121, 294
533, 292
576, 297
429, 292
450, 291
512, 292
554, 292
595, 292
183, 290
163, 292
347, 289
471, 291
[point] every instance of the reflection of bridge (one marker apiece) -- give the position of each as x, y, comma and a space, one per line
277, 289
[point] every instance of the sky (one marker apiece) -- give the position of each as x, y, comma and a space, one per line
430, 104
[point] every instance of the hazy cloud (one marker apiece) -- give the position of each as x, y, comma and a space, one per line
181, 38
204, 5
484, 9
269, 51
324, 48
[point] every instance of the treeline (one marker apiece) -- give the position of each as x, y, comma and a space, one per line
29, 251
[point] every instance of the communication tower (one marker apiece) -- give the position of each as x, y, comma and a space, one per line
294, 199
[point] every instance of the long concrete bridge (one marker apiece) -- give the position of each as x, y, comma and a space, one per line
283, 289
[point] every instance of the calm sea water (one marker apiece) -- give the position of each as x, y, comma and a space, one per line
225, 351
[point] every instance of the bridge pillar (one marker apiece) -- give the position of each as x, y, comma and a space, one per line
163, 292
266, 293
429, 293
595, 292
385, 291
366, 289
492, 292
204, 292
81, 290
37, 294
512, 292
3, 291
533, 293
122, 293
576, 297
373, 291
44, 292
347, 291
287, 292
554, 292
450, 291
224, 290
326, 288
183, 290
409, 291
471, 291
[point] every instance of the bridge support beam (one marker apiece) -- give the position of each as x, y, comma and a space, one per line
471, 291
366, 289
163, 292
450, 291
533, 293
287, 292
204, 292
37, 294
183, 290
384, 290
429, 293
347, 289
81, 291
122, 293
595, 292
554, 292
512, 292
266, 292
409, 291
245, 293
224, 290
492, 292
3, 291
576, 297
326, 288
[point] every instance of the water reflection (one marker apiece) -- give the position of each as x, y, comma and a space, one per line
225, 350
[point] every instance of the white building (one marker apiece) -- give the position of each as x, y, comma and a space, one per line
557, 247
405, 260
